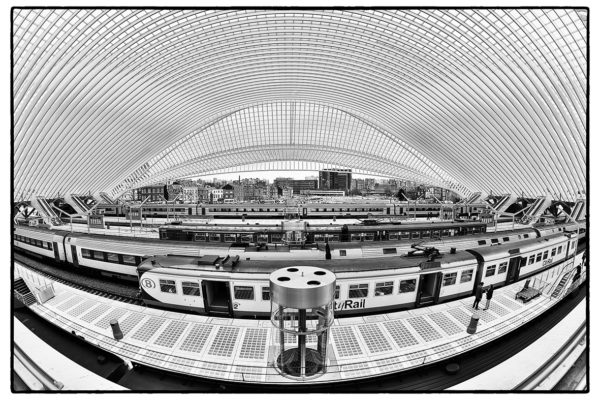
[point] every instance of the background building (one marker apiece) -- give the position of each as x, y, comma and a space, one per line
335, 179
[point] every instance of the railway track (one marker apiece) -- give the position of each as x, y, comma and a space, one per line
99, 287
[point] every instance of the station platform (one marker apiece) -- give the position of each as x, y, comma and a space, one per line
41, 367
536, 360
239, 350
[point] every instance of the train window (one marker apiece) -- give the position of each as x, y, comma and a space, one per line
86, 253
390, 251
446, 232
405, 235
553, 253
129, 260
229, 237
319, 238
246, 237
415, 235
355, 237
481, 242
531, 259
190, 288
167, 286
523, 262
262, 238
559, 250
112, 257
545, 255
266, 293
435, 234
337, 292
200, 237
50, 247
449, 279
393, 236
425, 234
466, 276
214, 237
334, 238
538, 258
358, 290
243, 292
505, 239
407, 286
369, 236
526, 235
342, 253
490, 270
275, 237
494, 240
384, 288
502, 267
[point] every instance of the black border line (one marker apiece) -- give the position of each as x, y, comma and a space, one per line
587, 193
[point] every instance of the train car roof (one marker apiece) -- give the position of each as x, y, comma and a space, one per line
517, 248
336, 266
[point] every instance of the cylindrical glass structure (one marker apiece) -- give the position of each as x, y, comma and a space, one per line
302, 311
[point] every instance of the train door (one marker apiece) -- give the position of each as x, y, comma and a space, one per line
189, 210
74, 254
428, 291
217, 299
514, 266
56, 253
304, 212
203, 210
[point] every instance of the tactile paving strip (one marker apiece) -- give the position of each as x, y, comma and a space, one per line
401, 335
445, 323
171, 334
131, 322
254, 343
498, 310
196, 338
424, 329
148, 329
95, 312
114, 314
82, 308
69, 303
460, 315
345, 341
486, 316
374, 338
224, 341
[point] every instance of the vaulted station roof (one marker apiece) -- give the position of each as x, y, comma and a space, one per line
471, 100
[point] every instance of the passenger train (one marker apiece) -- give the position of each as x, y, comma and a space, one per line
231, 287
369, 275
307, 210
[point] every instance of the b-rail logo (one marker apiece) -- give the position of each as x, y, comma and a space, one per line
148, 283
349, 304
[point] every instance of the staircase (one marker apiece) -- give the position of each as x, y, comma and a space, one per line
533, 214
45, 210
505, 202
561, 285
579, 210
476, 197
77, 203
103, 198
21, 291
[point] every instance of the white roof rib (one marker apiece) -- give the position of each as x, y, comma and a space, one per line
472, 100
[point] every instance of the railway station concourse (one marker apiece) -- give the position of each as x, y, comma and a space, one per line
487, 103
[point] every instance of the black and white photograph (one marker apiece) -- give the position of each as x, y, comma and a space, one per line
298, 199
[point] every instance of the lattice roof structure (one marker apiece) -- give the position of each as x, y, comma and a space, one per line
469, 99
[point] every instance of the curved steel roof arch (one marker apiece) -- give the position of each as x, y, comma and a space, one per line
490, 99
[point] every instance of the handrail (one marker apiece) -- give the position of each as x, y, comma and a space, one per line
36, 371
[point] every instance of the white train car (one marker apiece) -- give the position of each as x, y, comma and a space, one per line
233, 288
